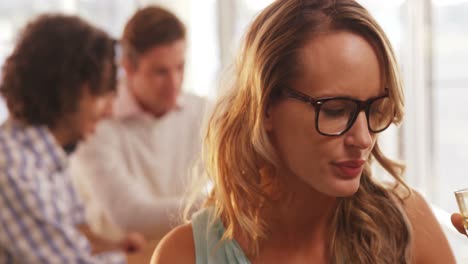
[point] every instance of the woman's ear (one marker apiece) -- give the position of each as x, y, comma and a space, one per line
268, 120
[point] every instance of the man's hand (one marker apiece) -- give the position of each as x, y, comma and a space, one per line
133, 243
457, 221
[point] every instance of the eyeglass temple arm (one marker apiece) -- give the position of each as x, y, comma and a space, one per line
299, 96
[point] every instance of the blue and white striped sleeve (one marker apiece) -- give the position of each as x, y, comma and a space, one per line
35, 235
31, 232
35, 227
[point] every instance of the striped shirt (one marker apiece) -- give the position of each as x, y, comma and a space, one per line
39, 209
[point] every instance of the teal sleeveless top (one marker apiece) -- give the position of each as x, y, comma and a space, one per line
207, 233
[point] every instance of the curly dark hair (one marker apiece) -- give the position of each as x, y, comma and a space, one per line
55, 58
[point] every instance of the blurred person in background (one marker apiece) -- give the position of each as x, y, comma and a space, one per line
56, 83
134, 171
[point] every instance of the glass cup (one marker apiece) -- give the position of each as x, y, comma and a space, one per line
462, 201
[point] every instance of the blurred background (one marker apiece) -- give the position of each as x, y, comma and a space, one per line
430, 38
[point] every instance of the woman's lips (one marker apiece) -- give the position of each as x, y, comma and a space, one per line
350, 168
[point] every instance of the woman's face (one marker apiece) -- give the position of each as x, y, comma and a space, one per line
333, 64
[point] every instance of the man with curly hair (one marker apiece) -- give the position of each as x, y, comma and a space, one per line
57, 84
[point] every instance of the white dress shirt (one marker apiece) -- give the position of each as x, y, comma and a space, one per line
134, 171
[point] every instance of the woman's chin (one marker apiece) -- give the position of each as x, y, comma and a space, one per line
346, 189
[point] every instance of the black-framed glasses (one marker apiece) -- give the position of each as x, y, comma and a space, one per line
334, 116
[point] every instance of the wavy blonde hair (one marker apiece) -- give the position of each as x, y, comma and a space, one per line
368, 227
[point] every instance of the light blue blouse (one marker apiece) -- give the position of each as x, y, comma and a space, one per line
207, 233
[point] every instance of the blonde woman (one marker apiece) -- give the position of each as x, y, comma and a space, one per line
289, 151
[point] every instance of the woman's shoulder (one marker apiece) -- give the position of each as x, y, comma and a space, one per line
417, 209
429, 243
176, 247
187, 242
412, 202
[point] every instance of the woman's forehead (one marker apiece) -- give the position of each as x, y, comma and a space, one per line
337, 63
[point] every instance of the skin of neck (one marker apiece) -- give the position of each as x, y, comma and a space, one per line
303, 217
140, 104
61, 134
